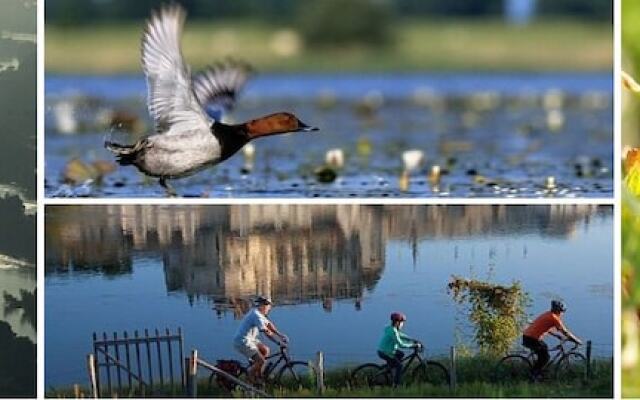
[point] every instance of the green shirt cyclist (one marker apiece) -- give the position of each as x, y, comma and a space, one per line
392, 341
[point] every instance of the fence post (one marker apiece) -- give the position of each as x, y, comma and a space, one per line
320, 372
91, 365
192, 374
588, 371
452, 374
187, 377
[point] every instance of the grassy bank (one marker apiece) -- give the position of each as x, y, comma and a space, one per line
443, 45
475, 379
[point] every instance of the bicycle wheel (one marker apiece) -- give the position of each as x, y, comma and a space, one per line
571, 367
513, 368
296, 375
431, 372
370, 375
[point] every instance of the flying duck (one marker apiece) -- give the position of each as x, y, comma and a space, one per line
189, 135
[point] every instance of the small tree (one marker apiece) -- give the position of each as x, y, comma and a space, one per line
497, 313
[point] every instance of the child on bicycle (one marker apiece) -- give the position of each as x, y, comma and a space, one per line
246, 339
391, 343
543, 324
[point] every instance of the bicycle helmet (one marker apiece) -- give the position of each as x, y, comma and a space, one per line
262, 300
557, 305
398, 316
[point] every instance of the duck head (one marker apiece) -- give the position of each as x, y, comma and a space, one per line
276, 124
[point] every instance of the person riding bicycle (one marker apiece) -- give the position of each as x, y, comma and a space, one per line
393, 340
246, 339
543, 324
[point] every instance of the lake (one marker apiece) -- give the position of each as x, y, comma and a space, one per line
17, 299
491, 135
335, 273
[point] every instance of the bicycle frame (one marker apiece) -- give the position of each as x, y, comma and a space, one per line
270, 366
559, 352
409, 359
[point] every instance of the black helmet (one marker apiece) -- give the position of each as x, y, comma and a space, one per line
262, 300
558, 306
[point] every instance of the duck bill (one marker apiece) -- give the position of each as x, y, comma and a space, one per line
302, 127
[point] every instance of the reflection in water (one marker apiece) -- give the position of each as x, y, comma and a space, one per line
25, 306
17, 364
293, 253
17, 300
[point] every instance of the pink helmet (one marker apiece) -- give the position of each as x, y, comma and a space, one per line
398, 316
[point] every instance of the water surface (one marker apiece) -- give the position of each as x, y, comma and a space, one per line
335, 272
492, 135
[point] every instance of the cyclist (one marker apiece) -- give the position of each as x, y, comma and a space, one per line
391, 343
545, 323
246, 339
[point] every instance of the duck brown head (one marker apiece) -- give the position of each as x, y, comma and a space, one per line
233, 137
276, 124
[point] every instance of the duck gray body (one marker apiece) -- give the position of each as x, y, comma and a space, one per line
178, 155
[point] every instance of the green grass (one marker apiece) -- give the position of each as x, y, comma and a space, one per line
443, 45
474, 380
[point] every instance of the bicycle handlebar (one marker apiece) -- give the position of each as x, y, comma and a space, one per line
560, 345
419, 348
279, 342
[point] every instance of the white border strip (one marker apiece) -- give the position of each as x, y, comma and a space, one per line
382, 201
39, 198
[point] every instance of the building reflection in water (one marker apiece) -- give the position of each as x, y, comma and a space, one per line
293, 253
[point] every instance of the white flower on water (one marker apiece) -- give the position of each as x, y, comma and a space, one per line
555, 120
249, 150
434, 176
334, 158
551, 182
65, 118
412, 159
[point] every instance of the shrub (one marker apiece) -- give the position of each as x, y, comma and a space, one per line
339, 23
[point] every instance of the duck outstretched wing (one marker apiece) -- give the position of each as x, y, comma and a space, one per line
219, 84
171, 100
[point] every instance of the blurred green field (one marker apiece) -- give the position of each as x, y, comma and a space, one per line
630, 209
418, 45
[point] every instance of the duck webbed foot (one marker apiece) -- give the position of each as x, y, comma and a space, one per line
170, 191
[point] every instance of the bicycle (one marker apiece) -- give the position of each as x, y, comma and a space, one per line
426, 371
567, 364
284, 372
